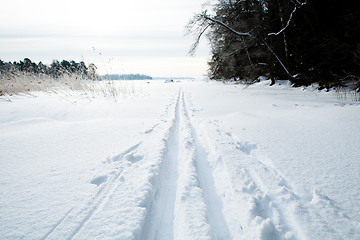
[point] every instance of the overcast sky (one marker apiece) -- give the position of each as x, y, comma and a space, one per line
142, 36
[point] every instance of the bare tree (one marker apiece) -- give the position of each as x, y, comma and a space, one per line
203, 21
247, 21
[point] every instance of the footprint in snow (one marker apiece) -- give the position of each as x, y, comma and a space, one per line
151, 129
134, 158
99, 180
246, 147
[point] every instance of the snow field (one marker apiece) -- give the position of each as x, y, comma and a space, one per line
124, 203
274, 207
183, 161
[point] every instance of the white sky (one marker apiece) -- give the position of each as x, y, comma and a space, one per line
142, 36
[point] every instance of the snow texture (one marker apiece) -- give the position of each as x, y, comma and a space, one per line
189, 160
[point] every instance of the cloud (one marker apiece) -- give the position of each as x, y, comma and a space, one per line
44, 30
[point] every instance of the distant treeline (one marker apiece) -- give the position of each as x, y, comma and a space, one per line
125, 77
55, 69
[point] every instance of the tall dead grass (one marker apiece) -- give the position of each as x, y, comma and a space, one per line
28, 83
347, 94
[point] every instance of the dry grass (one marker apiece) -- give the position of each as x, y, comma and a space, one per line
28, 83
347, 94
24, 83
113, 89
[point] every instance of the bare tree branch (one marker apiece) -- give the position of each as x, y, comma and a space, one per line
278, 59
247, 34
287, 24
224, 25
197, 41
297, 5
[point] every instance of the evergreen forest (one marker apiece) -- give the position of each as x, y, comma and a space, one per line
11, 70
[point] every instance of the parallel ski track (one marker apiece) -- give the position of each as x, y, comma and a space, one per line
286, 197
249, 190
56, 225
160, 211
166, 211
158, 223
77, 217
94, 205
229, 192
213, 201
273, 197
191, 218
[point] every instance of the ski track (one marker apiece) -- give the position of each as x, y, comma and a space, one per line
56, 225
159, 218
185, 204
213, 201
83, 215
69, 226
272, 209
182, 182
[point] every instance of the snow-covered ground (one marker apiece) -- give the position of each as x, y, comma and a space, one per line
189, 160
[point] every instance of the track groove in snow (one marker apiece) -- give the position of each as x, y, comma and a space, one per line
76, 218
213, 202
158, 223
185, 205
271, 208
79, 222
56, 225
